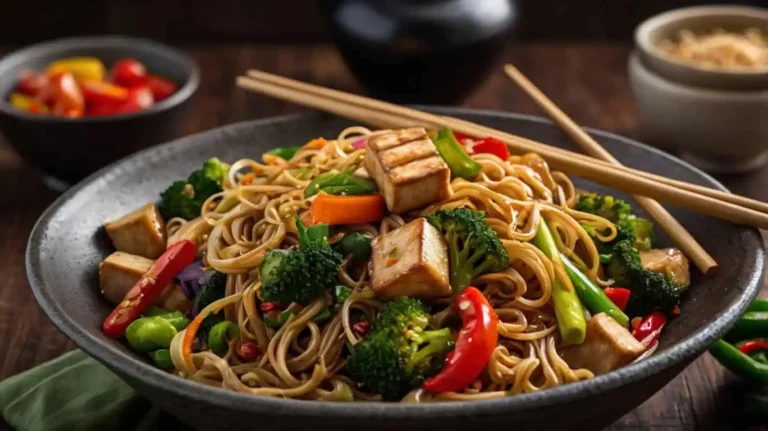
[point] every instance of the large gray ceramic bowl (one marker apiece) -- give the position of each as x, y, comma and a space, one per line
67, 245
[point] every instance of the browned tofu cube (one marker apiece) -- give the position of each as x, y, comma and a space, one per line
408, 169
120, 271
411, 260
608, 346
141, 232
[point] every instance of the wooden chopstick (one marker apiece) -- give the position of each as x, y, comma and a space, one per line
717, 194
533, 146
388, 115
684, 240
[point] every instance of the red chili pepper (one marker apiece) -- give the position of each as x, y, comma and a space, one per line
618, 295
248, 351
361, 328
160, 87
96, 92
475, 344
650, 328
141, 295
491, 146
31, 83
142, 95
128, 72
752, 346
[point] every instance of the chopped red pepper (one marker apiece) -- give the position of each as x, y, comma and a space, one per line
96, 92
249, 352
361, 328
160, 87
650, 327
266, 307
618, 295
475, 344
67, 99
141, 295
491, 146
128, 72
752, 346
31, 83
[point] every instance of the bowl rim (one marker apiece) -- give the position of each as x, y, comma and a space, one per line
180, 96
705, 94
643, 31
160, 381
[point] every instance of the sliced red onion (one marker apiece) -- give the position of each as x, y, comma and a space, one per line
190, 278
360, 143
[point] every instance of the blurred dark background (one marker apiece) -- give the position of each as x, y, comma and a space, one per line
298, 21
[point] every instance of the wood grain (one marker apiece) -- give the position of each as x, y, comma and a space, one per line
587, 80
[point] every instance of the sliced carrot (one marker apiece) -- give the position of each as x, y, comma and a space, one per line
333, 209
189, 338
316, 144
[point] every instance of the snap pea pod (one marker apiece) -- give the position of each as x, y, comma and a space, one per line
285, 153
568, 308
175, 318
150, 333
458, 161
591, 295
759, 304
162, 359
221, 334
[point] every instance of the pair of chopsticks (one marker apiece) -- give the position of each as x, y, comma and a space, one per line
699, 199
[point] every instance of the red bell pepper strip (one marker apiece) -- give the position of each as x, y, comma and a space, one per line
491, 146
141, 295
649, 329
475, 344
96, 92
128, 72
160, 87
752, 346
618, 295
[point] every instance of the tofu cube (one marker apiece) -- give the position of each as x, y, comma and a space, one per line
607, 347
142, 232
408, 169
411, 260
120, 271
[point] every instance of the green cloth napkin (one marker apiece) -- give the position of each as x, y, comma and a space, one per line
75, 392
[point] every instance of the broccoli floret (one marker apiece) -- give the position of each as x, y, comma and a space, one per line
300, 275
398, 354
211, 291
618, 212
651, 291
185, 198
473, 247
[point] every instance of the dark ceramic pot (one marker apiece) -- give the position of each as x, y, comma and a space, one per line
421, 51
67, 245
70, 149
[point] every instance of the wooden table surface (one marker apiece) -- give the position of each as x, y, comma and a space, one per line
587, 80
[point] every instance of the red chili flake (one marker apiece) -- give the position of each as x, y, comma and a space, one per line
249, 352
361, 328
676, 311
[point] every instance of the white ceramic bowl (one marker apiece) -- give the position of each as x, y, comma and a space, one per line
720, 131
701, 19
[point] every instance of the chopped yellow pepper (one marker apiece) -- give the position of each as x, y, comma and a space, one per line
26, 103
83, 68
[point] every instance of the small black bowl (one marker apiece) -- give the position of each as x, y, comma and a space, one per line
70, 149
